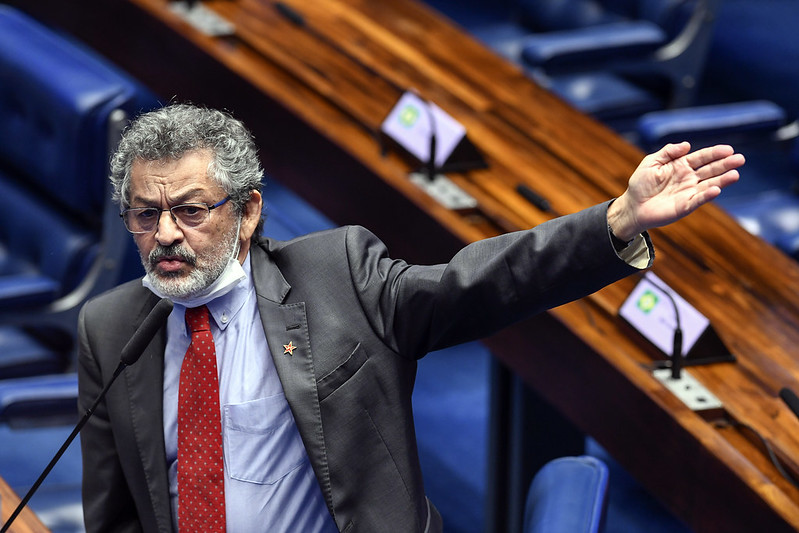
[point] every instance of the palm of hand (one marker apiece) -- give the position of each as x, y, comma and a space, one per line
673, 183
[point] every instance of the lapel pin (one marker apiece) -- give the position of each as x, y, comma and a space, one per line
289, 348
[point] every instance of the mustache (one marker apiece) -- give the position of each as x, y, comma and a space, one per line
175, 250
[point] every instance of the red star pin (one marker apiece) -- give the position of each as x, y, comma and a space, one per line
289, 348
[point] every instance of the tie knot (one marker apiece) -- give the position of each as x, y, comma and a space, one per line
197, 318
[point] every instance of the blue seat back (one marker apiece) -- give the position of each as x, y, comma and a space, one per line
568, 495
55, 103
555, 15
40, 243
61, 110
37, 415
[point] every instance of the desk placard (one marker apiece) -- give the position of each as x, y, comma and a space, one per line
652, 314
412, 122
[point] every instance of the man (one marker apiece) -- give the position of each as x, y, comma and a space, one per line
315, 340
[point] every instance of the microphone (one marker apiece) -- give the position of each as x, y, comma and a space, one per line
139, 341
430, 164
533, 197
129, 355
290, 13
791, 400
676, 350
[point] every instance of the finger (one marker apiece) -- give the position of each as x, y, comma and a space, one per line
704, 156
722, 180
719, 167
703, 197
670, 152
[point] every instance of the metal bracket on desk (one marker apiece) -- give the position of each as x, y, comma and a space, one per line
444, 191
202, 18
688, 389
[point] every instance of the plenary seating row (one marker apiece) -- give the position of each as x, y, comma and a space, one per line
62, 108
749, 69
616, 59
612, 59
659, 71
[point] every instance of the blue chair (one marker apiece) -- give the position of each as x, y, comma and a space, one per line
37, 414
612, 59
568, 495
62, 108
22, 354
756, 122
619, 59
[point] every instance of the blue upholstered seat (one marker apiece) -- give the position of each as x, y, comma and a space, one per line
44, 254
745, 122
568, 495
765, 201
648, 54
37, 414
22, 354
62, 107
612, 59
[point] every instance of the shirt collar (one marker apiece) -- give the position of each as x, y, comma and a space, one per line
225, 308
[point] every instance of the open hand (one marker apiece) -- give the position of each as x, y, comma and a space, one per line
670, 184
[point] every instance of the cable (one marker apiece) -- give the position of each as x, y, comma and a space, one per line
766, 444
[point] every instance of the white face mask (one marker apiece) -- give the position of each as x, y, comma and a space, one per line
229, 278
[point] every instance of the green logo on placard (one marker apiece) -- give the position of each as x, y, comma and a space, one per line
409, 115
647, 301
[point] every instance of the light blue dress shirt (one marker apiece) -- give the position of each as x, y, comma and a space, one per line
269, 483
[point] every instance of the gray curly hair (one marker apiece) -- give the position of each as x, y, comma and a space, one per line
177, 129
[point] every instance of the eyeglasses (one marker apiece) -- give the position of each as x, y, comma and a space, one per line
145, 219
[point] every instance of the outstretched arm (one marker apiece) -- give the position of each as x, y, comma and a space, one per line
670, 184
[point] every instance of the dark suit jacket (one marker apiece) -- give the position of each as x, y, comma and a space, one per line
359, 320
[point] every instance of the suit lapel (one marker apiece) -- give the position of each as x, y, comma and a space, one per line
286, 329
145, 386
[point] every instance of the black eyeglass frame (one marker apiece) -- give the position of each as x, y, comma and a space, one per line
207, 208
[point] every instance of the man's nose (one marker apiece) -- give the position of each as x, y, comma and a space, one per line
167, 232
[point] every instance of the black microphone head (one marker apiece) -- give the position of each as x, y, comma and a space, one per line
789, 397
791, 400
139, 341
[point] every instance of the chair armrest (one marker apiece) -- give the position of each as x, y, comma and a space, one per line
40, 400
594, 46
24, 290
717, 122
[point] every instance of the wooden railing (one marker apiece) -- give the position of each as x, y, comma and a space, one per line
26, 522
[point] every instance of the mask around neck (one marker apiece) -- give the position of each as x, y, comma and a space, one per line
229, 278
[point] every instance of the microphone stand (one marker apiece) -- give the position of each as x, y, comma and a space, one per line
676, 350
130, 354
431, 160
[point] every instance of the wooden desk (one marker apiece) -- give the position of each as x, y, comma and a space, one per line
26, 522
315, 95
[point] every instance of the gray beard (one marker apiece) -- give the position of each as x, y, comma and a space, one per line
206, 269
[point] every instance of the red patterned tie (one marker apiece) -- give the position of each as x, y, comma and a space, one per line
201, 478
